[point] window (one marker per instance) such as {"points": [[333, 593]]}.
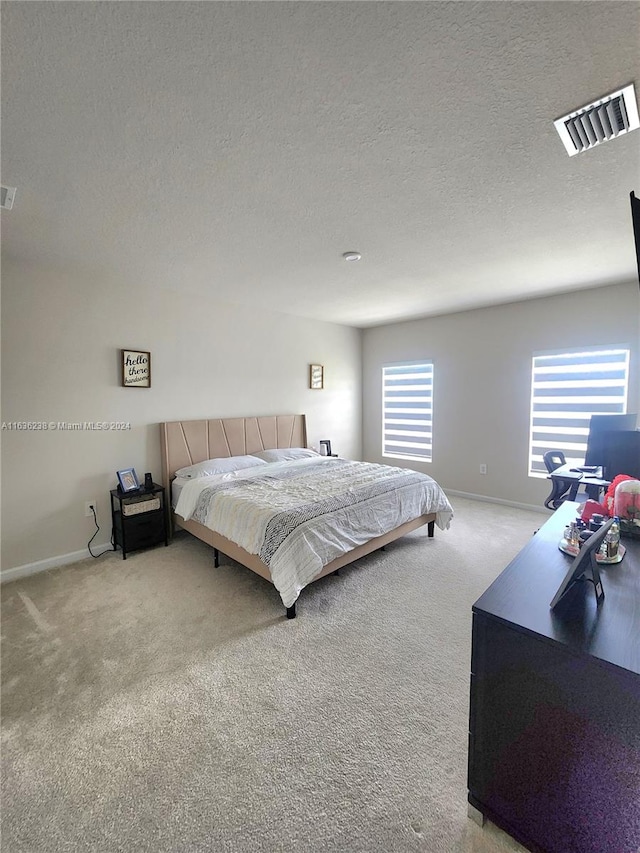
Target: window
{"points": [[407, 410], [566, 389]]}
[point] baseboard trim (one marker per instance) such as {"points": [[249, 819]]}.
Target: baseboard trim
{"points": [[486, 499], [51, 563]]}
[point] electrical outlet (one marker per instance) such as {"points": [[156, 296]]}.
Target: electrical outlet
{"points": [[87, 508], [483, 468]]}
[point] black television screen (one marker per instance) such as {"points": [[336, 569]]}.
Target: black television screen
{"points": [[635, 218], [583, 565], [600, 424]]}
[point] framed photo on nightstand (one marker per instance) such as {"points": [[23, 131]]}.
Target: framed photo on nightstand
{"points": [[127, 480]]}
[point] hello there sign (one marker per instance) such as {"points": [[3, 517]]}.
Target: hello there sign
{"points": [[136, 368]]}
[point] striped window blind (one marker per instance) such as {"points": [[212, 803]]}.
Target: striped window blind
{"points": [[407, 410], [566, 389]]}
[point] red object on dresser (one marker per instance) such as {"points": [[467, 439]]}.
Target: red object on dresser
{"points": [[611, 491]]}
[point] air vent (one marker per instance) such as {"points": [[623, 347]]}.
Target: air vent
{"points": [[605, 119], [7, 195]]}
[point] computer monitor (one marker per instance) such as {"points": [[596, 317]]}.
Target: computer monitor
{"points": [[621, 453], [598, 426]]}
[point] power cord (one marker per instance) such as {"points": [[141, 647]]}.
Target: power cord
{"points": [[95, 521]]}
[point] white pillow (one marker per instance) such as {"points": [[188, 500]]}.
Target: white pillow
{"points": [[218, 466], [284, 454]]}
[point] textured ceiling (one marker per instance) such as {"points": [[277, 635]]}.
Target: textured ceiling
{"points": [[238, 149]]}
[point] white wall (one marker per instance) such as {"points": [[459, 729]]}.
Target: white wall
{"points": [[62, 333], [482, 381], [61, 336]]}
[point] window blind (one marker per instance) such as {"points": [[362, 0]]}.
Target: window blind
{"points": [[566, 389], [407, 410]]}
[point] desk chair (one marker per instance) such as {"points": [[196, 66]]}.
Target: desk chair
{"points": [[563, 488], [565, 482], [554, 459]]}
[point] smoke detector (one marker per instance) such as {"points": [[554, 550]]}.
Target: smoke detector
{"points": [[7, 195], [604, 119]]}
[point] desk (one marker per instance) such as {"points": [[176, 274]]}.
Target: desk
{"points": [[554, 725], [565, 484]]}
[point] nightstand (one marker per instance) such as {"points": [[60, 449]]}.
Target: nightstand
{"points": [[139, 519]]}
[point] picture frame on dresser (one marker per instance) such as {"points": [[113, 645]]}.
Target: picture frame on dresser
{"points": [[584, 566]]}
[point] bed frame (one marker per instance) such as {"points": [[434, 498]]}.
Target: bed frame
{"points": [[188, 442]]}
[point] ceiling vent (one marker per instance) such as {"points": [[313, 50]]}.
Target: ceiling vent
{"points": [[7, 195], [605, 119]]}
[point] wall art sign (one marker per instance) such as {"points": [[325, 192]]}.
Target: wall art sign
{"points": [[316, 377], [136, 368]]}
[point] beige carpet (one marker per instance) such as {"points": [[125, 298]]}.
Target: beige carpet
{"points": [[159, 704]]}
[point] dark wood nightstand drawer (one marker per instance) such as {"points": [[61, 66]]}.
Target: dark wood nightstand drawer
{"points": [[143, 528], [144, 540], [145, 520]]}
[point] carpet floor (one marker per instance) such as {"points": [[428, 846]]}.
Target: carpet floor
{"points": [[160, 704]]}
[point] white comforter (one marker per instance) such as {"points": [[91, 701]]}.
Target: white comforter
{"points": [[297, 516]]}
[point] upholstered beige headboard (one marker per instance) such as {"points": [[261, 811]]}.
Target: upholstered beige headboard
{"points": [[187, 442]]}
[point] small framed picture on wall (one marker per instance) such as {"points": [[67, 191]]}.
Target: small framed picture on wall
{"points": [[316, 377], [136, 368]]}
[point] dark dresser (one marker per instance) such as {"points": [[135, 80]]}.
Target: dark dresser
{"points": [[554, 728]]}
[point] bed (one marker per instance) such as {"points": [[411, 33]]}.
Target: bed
{"points": [[316, 542]]}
